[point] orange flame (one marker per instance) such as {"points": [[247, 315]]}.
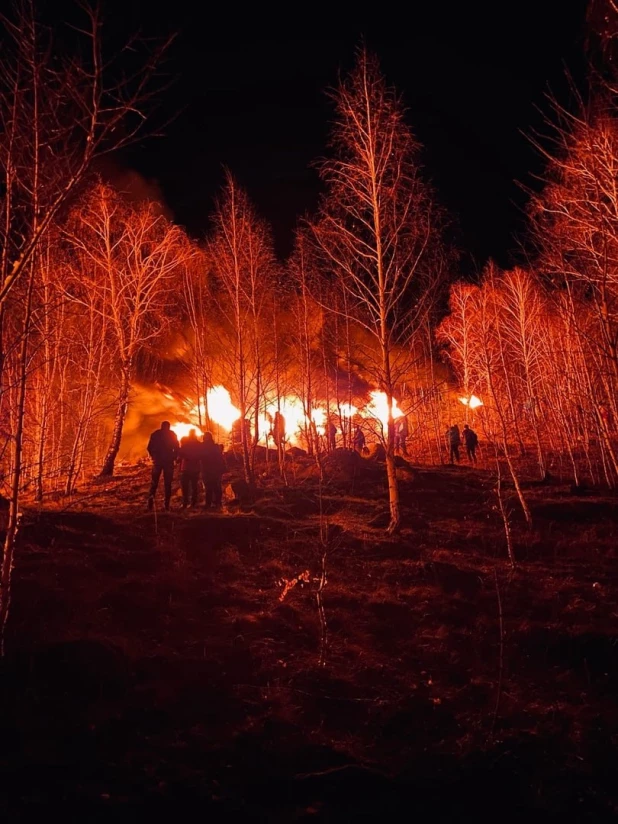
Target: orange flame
{"points": [[472, 401], [378, 408]]}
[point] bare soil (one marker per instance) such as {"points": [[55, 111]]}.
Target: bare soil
{"points": [[153, 669]]}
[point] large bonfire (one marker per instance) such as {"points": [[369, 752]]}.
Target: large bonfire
{"points": [[217, 407]]}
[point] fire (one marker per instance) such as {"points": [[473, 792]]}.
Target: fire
{"points": [[296, 421], [183, 429], [221, 410], [223, 413], [378, 408], [318, 416], [293, 415], [472, 401], [347, 410]]}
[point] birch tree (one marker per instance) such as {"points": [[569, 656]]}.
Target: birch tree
{"points": [[135, 260], [241, 250], [58, 112], [377, 225]]}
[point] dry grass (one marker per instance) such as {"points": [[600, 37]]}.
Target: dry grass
{"points": [[151, 661]]}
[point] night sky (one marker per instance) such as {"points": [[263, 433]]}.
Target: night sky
{"points": [[250, 93]]}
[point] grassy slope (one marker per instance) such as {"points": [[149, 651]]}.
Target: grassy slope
{"points": [[152, 666]]}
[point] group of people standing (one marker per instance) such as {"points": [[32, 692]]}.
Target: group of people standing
{"points": [[453, 441], [359, 441], [195, 457], [205, 458]]}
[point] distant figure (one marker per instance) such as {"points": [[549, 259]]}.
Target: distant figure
{"points": [[190, 454], [278, 430], [359, 440], [453, 439], [213, 467], [332, 436], [471, 441], [163, 449], [401, 435], [237, 428]]}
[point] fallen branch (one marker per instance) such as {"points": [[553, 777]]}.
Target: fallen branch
{"points": [[290, 583]]}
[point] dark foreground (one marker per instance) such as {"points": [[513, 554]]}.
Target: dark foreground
{"points": [[152, 672]]}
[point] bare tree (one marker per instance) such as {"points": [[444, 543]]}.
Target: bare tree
{"points": [[242, 254], [135, 259], [58, 112], [377, 225], [198, 303], [523, 326], [575, 223]]}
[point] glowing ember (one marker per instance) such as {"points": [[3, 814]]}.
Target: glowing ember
{"points": [[378, 408], [472, 401]]}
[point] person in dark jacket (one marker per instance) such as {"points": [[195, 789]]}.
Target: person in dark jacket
{"points": [[163, 449], [470, 439], [278, 429], [213, 467], [401, 435], [453, 440], [190, 455], [331, 432], [359, 440]]}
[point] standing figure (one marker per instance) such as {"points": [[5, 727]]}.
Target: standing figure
{"points": [[190, 454], [359, 440], [471, 441], [213, 467], [401, 435], [163, 449], [278, 429], [331, 432], [453, 440]]}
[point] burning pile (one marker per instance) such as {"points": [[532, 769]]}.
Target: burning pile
{"points": [[217, 407]]}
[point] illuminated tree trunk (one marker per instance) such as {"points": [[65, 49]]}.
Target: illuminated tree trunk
{"points": [[107, 469], [127, 261], [15, 515], [378, 228], [489, 366], [243, 258], [78, 116]]}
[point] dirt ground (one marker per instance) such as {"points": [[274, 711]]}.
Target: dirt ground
{"points": [[158, 664]]}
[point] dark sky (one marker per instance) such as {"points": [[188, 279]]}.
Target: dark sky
{"points": [[251, 95]]}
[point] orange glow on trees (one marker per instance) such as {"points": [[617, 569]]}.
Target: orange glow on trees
{"points": [[131, 259], [377, 227]]}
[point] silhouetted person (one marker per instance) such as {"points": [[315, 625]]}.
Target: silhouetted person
{"points": [[190, 454], [453, 440], [237, 433], [401, 435], [213, 467], [163, 449], [471, 441], [331, 431], [359, 440], [278, 430]]}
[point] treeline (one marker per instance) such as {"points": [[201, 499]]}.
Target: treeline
{"points": [[94, 284], [540, 345], [111, 282]]}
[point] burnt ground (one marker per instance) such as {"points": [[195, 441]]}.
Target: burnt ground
{"points": [[152, 669]]}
